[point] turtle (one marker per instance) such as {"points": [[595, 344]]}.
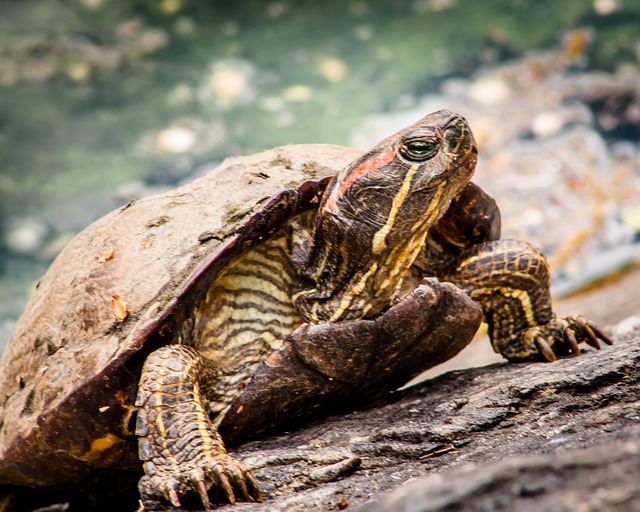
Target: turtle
{"points": [[276, 288]]}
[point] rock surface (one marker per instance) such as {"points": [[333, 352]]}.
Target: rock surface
{"points": [[561, 436], [601, 478]]}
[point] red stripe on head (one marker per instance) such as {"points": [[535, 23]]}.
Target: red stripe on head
{"points": [[370, 164]]}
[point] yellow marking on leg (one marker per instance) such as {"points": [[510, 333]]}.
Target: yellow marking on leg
{"points": [[478, 256], [202, 423], [470, 260], [521, 295], [494, 274], [170, 459], [525, 302], [379, 243], [162, 430], [159, 423]]}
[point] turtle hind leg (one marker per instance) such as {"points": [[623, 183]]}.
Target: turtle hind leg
{"points": [[182, 452]]}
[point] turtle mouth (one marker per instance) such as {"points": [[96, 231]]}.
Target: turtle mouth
{"points": [[466, 160]]}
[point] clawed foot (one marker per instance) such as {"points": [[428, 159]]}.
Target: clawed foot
{"points": [[561, 336], [220, 472]]}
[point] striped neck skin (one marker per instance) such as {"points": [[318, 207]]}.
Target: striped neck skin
{"points": [[375, 215]]}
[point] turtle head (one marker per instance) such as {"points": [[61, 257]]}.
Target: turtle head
{"points": [[404, 181], [375, 213]]}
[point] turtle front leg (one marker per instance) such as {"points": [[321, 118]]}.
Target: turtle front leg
{"points": [[323, 368], [510, 280], [182, 452]]}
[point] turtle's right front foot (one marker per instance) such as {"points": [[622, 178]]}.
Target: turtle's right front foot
{"points": [[558, 337], [182, 452]]}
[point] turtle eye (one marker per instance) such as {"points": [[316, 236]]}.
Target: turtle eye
{"points": [[419, 150]]}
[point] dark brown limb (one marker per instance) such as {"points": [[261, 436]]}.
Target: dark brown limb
{"points": [[472, 218], [325, 367], [510, 280]]}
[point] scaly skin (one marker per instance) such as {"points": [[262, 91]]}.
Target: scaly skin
{"points": [[180, 449], [510, 280]]}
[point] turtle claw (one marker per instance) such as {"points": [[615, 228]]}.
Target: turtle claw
{"points": [[254, 494], [172, 496], [223, 482], [243, 489], [204, 494], [591, 333], [235, 479], [568, 333], [544, 348], [599, 332], [153, 489], [572, 342], [591, 337]]}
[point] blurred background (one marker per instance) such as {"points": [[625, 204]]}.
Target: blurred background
{"points": [[104, 101]]}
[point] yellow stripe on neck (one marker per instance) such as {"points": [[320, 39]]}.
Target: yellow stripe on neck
{"points": [[346, 301], [379, 243]]}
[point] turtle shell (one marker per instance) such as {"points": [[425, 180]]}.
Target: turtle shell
{"points": [[68, 376]]}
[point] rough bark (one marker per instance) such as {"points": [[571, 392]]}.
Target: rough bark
{"points": [[559, 436]]}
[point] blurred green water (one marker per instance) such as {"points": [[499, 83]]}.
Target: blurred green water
{"points": [[95, 94]]}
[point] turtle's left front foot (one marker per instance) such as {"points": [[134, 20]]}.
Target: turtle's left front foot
{"points": [[217, 471], [558, 337], [182, 452]]}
